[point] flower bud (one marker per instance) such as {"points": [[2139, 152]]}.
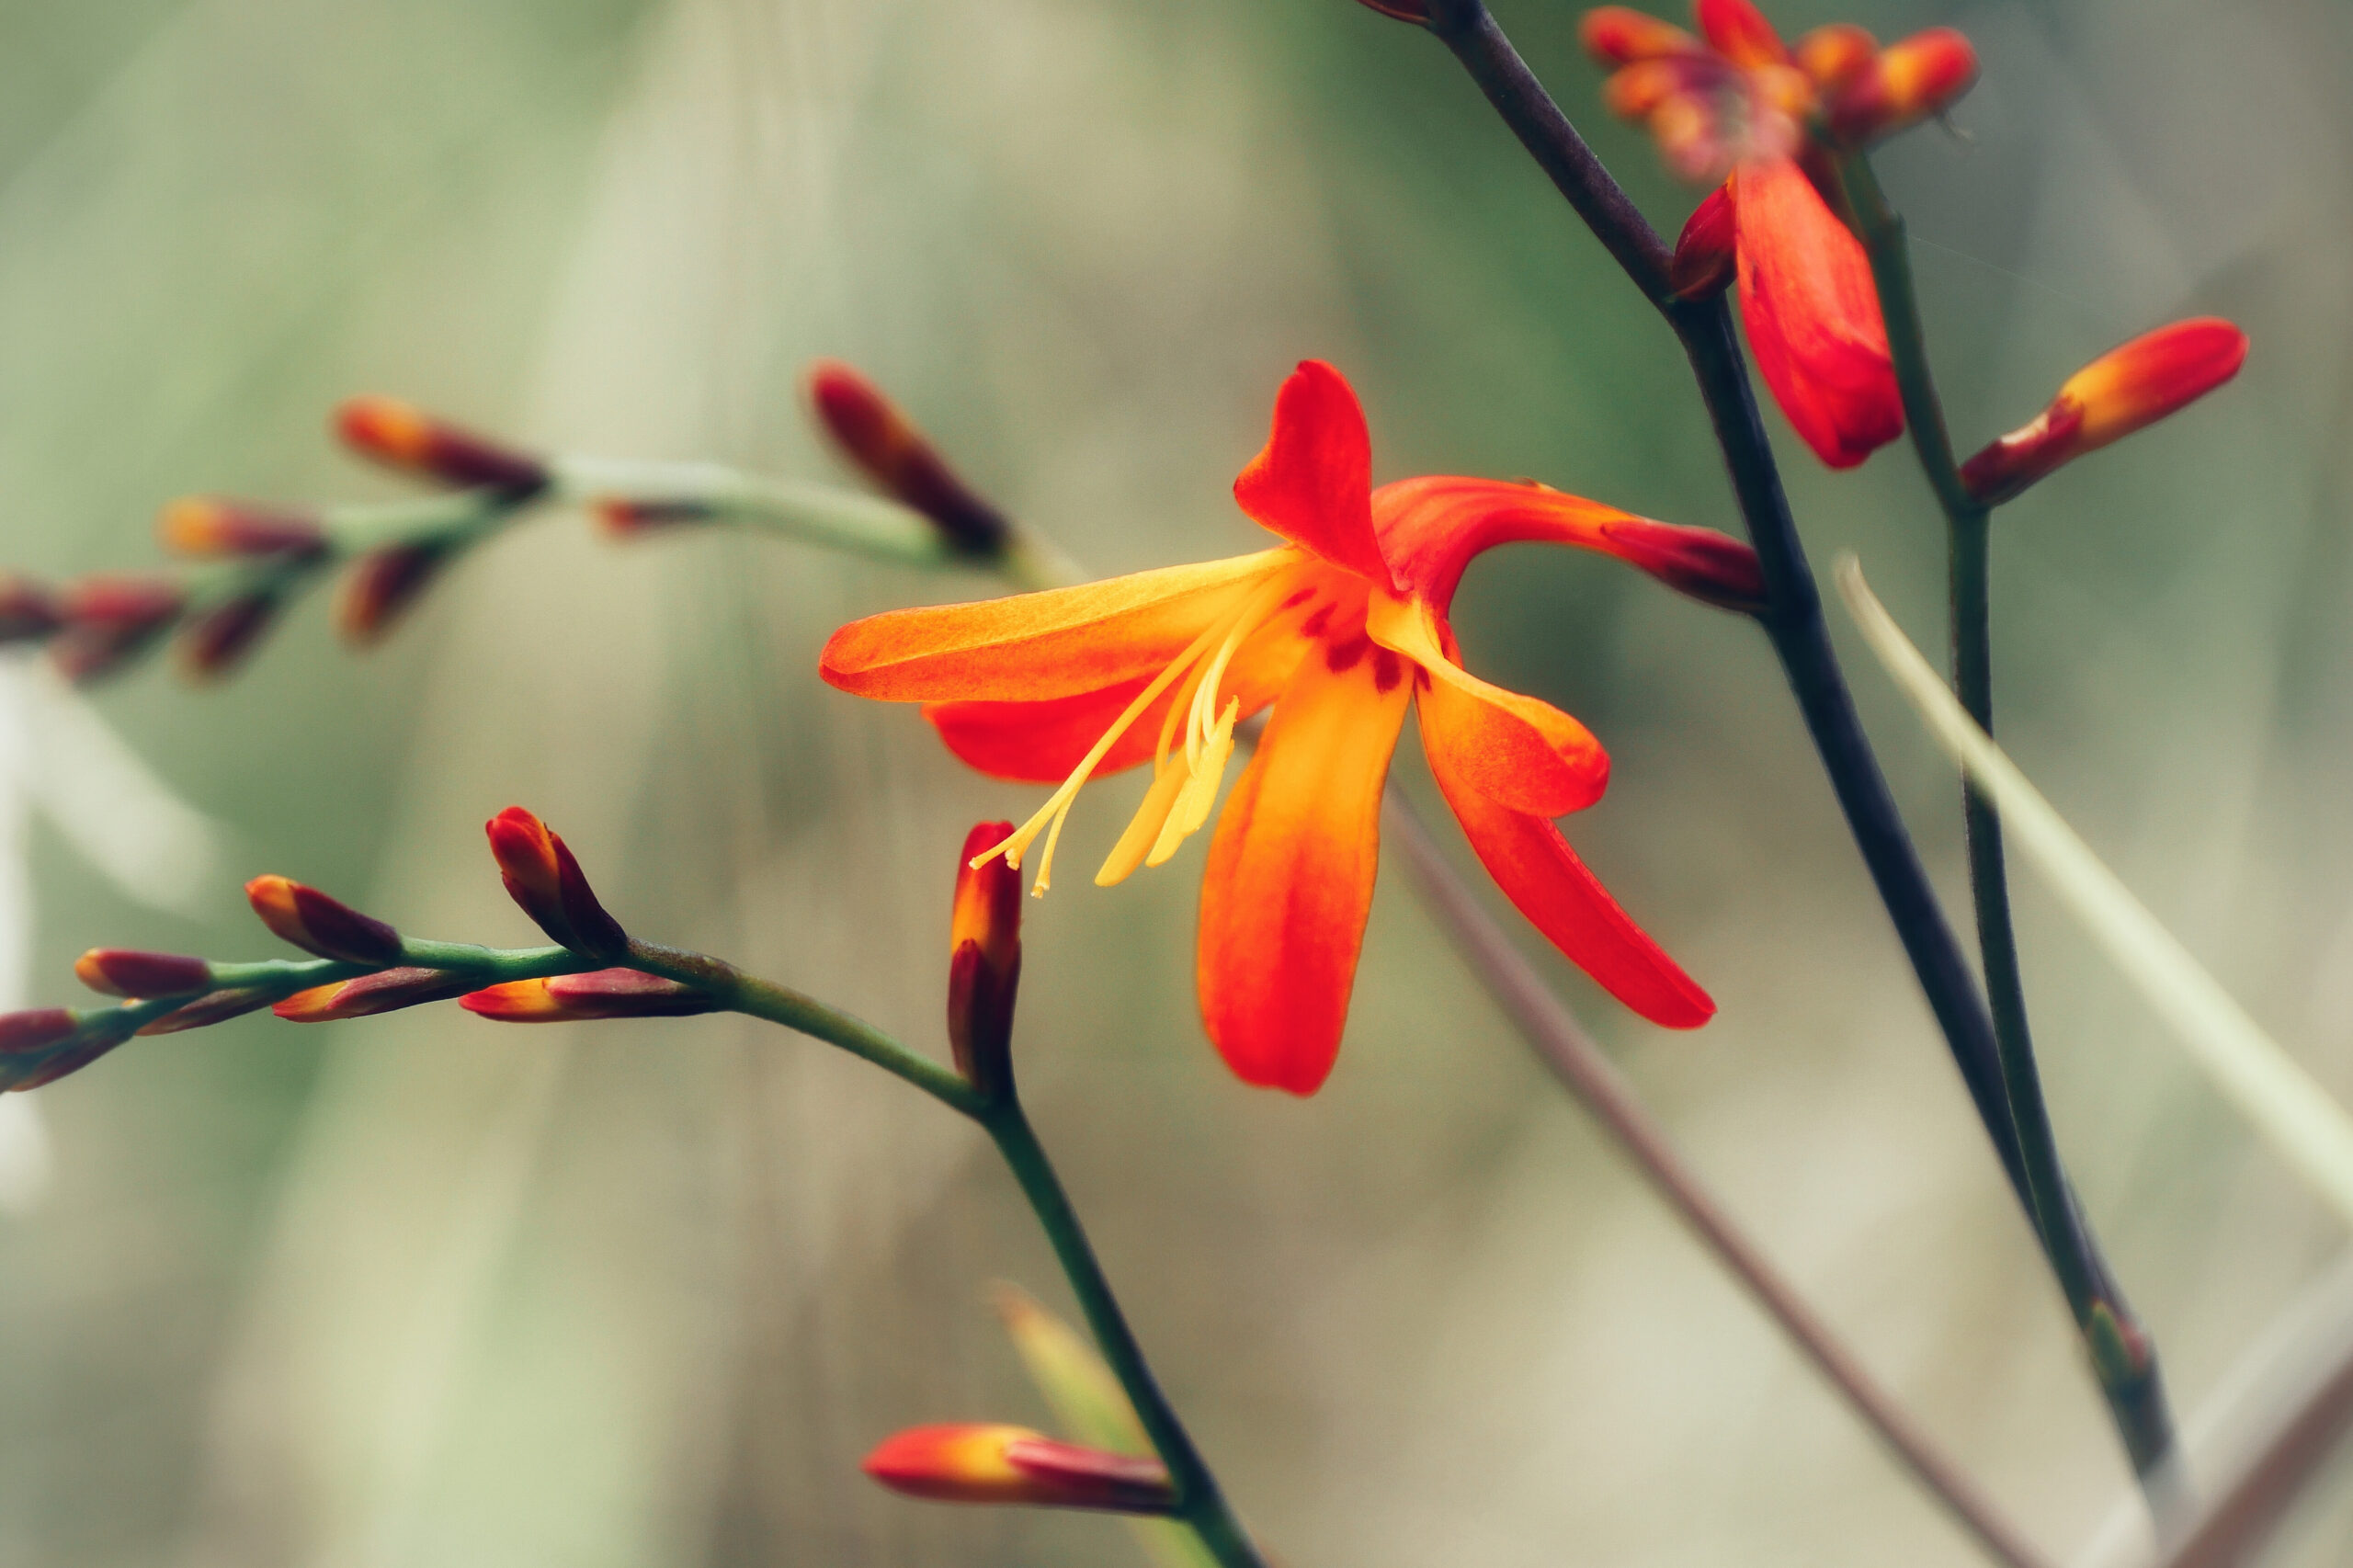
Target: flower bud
{"points": [[984, 962], [624, 518], [27, 611], [1738, 31], [108, 620], [217, 639], [600, 994], [317, 923], [127, 972], [976, 1463], [1835, 55], [381, 585], [20, 1075], [1705, 261], [211, 1008], [385, 991], [1909, 81], [542, 877], [1620, 35], [38, 1028], [885, 446], [404, 437], [209, 526], [2120, 392], [1711, 567]]}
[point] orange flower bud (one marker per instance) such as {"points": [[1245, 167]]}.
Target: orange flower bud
{"points": [[214, 1009], [542, 877], [885, 446], [110, 621], [317, 923], [216, 641], [1620, 35], [38, 1028], [1711, 567], [27, 612], [984, 962], [1910, 80], [622, 517], [975, 1463], [383, 584], [127, 972], [404, 437], [600, 994], [1834, 56], [1705, 258], [206, 525], [385, 991], [2123, 391], [1738, 31]]}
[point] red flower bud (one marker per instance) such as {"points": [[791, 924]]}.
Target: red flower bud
{"points": [[126, 972], [1834, 56], [623, 518], [317, 923], [541, 876], [110, 621], [18, 1075], [1738, 31], [984, 962], [27, 611], [2123, 391], [1705, 260], [1912, 80], [383, 584], [206, 525], [974, 1463], [1711, 567], [404, 437], [385, 991], [216, 641], [885, 446], [1619, 35], [600, 994], [38, 1028], [212, 1009]]}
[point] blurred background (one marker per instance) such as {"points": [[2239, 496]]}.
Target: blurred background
{"points": [[418, 1291]]}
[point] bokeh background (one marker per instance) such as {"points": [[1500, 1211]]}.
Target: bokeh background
{"points": [[420, 1291]]}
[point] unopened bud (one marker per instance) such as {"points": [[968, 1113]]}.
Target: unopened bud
{"points": [[976, 1463], [127, 972], [984, 962], [110, 621], [885, 446], [599, 993], [1620, 35], [217, 639], [1834, 56], [207, 525], [2123, 391], [401, 435], [624, 518], [212, 1009], [21, 1073], [317, 923], [385, 991], [1914, 79], [37, 1029], [542, 877], [1705, 261], [1738, 31], [27, 611], [381, 585], [1711, 567]]}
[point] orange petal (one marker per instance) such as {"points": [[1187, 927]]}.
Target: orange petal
{"points": [[1057, 643], [1431, 527], [1291, 873], [1516, 750], [1812, 314], [1312, 483], [1617, 35], [1546, 881], [1738, 31]]}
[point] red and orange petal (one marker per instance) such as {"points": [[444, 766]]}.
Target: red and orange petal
{"points": [[1834, 56], [309, 919], [1061, 643], [1911, 80], [1545, 881], [1812, 314], [128, 971], [974, 1462], [1291, 869], [596, 994], [986, 910], [1738, 31], [401, 435], [1312, 482], [888, 448], [1620, 35], [384, 992], [1431, 527]]}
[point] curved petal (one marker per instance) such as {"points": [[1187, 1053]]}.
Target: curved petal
{"points": [[1430, 528], [1517, 751], [1738, 31], [1042, 741], [1291, 873], [1031, 646], [1546, 881], [1812, 314], [1312, 483]]}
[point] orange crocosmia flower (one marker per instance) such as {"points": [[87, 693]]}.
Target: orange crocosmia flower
{"points": [[1340, 629]]}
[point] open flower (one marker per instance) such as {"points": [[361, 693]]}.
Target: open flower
{"points": [[1737, 105], [1340, 629]]}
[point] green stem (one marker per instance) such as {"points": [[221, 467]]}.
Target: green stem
{"points": [[2119, 1350]]}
